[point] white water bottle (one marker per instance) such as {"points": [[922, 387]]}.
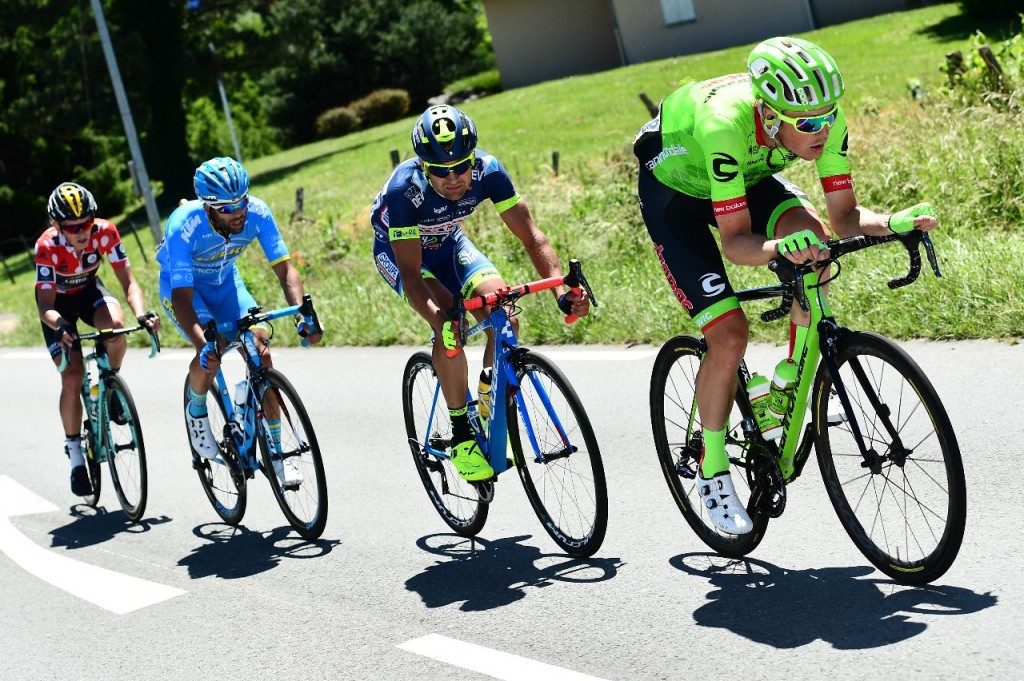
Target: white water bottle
{"points": [[240, 395]]}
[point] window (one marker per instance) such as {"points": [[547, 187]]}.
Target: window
{"points": [[677, 11]]}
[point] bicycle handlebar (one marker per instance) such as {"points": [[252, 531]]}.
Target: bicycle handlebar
{"points": [[575, 280], [255, 316], [103, 334], [790, 274]]}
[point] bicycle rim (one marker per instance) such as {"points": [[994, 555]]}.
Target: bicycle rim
{"points": [[222, 478], [456, 501], [303, 504], [678, 438], [566, 483], [907, 515], [126, 451]]}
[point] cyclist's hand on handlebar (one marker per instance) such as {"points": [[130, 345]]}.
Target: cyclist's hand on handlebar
{"points": [[451, 337], [802, 247], [920, 216], [574, 304], [307, 329], [209, 360], [150, 320]]}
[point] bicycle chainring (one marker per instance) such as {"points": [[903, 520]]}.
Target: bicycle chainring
{"points": [[767, 486]]}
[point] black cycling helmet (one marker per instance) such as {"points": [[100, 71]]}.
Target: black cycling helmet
{"points": [[443, 134], [71, 201]]}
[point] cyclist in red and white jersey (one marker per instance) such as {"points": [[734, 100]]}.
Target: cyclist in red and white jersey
{"points": [[67, 288]]}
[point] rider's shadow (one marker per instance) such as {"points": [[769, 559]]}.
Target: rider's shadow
{"points": [[236, 552], [484, 574], [93, 526], [792, 608]]}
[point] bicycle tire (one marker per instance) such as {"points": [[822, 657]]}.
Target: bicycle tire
{"points": [[567, 489], [126, 450], [94, 469], [678, 438], [457, 502], [223, 481], [305, 506], [901, 540]]}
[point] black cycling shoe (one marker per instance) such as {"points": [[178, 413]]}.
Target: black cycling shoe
{"points": [[80, 485]]}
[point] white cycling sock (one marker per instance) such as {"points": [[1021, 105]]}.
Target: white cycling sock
{"points": [[73, 447]]}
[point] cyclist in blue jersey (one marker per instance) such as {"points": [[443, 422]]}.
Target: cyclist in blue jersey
{"points": [[199, 281], [712, 157], [422, 252]]}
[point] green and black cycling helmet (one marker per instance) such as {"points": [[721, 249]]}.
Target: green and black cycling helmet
{"points": [[443, 135], [791, 74], [71, 201]]}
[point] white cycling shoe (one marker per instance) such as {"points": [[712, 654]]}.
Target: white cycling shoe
{"points": [[288, 472], [200, 435], [723, 506]]}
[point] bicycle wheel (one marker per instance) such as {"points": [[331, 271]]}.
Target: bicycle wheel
{"points": [[679, 439], [457, 501], [304, 503], [222, 479], [564, 475], [907, 512], [126, 452]]}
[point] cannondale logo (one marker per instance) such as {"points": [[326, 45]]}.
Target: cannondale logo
{"points": [[724, 167], [711, 285]]}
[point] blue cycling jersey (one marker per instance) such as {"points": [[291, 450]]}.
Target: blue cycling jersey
{"points": [[407, 200], [193, 255]]}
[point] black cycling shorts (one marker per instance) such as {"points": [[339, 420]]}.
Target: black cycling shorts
{"points": [[74, 306]]}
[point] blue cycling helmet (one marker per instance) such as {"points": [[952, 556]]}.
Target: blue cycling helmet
{"points": [[443, 134], [221, 180]]}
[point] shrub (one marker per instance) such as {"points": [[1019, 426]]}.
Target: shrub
{"points": [[483, 83], [990, 8], [380, 106], [337, 122], [972, 80]]}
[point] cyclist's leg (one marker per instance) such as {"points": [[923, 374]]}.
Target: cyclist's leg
{"points": [[476, 275], [679, 227], [779, 208], [105, 313]]}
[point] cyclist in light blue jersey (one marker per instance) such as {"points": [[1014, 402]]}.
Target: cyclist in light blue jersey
{"points": [[422, 253], [199, 279]]}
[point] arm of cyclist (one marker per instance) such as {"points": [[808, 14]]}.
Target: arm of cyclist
{"points": [[848, 218], [46, 300], [520, 222], [291, 286], [409, 257], [133, 294], [742, 247], [185, 313]]}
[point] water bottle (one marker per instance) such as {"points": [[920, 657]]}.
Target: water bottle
{"points": [[483, 392], [759, 390], [783, 388], [240, 394]]}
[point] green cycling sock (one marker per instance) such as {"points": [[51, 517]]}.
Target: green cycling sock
{"points": [[715, 460]]}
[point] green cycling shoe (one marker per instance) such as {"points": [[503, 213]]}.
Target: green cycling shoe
{"points": [[470, 462]]}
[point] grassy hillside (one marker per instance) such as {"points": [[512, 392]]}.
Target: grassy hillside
{"points": [[902, 150]]}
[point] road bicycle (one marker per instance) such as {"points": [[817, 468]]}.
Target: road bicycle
{"points": [[239, 427], [886, 449], [111, 431], [535, 410]]}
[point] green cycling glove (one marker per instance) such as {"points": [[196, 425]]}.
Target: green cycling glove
{"points": [[902, 221], [799, 240]]}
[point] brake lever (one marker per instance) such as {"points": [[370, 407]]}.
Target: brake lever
{"points": [[929, 249]]}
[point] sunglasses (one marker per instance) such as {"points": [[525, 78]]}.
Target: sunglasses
{"points": [[812, 124], [229, 208], [77, 227], [458, 167]]}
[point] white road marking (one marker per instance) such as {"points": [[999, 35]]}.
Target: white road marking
{"points": [[487, 661], [108, 589]]}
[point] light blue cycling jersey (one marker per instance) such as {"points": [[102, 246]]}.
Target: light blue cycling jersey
{"points": [[192, 255]]}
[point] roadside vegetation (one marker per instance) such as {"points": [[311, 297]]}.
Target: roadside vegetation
{"points": [[914, 137]]}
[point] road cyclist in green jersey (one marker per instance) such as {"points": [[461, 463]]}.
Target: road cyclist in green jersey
{"points": [[421, 251], [713, 157]]}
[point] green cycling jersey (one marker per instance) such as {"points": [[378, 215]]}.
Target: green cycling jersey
{"points": [[713, 145]]}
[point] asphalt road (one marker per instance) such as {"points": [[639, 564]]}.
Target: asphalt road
{"points": [[390, 593]]}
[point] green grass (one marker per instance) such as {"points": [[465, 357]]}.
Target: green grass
{"points": [[902, 151]]}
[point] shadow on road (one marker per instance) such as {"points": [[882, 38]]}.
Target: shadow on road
{"points": [[486, 574], [235, 552], [93, 526], [792, 608]]}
